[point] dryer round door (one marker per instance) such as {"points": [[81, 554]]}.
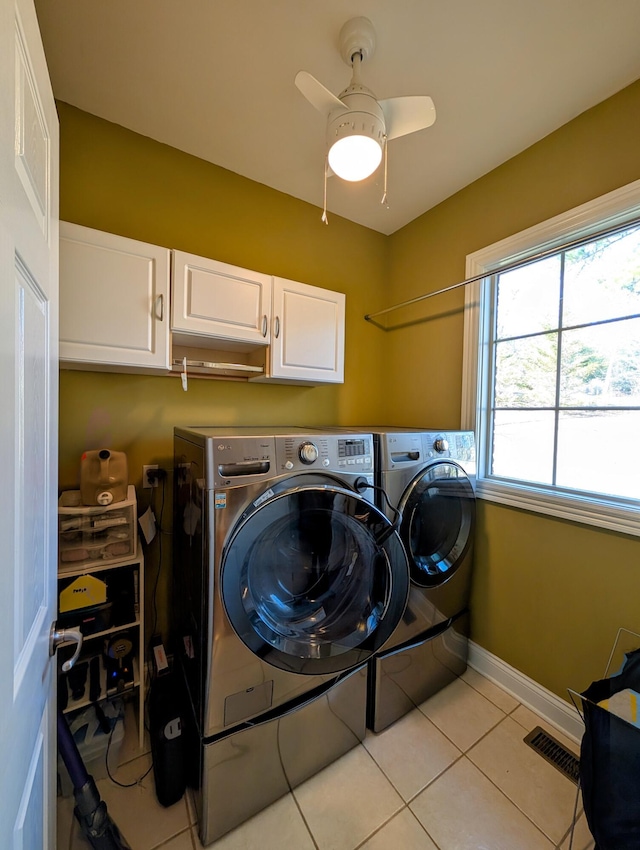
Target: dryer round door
{"points": [[314, 579], [438, 522]]}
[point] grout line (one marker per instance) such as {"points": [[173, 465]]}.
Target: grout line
{"points": [[471, 746], [186, 806], [384, 774], [381, 827], [431, 781], [512, 802], [304, 820], [475, 743], [498, 687], [166, 841], [435, 778]]}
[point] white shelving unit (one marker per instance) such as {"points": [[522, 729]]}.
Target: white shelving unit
{"points": [[93, 644]]}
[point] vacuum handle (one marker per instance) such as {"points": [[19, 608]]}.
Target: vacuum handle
{"points": [[58, 637]]}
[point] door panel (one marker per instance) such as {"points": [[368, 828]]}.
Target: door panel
{"points": [[113, 300], [28, 449], [308, 337], [218, 301]]}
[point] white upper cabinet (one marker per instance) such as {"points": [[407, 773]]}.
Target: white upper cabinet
{"points": [[307, 336], [116, 314], [218, 302], [114, 301]]}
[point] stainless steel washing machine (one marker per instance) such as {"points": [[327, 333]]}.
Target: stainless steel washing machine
{"points": [[429, 476], [286, 582]]}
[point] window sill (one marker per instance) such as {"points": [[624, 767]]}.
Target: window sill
{"points": [[602, 513]]}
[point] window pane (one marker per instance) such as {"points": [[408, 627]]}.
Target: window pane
{"points": [[523, 445], [527, 299], [601, 366], [582, 465], [526, 372], [602, 279]]}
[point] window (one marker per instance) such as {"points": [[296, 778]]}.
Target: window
{"points": [[552, 365]]}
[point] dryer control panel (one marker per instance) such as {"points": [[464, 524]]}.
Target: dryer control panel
{"points": [[456, 445]]}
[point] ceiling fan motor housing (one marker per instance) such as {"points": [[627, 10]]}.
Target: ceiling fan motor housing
{"points": [[364, 117]]}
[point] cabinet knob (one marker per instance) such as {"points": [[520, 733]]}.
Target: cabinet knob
{"points": [[160, 300], [277, 327], [264, 325], [60, 636]]}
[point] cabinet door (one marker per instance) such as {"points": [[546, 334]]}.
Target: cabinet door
{"points": [[218, 301], [113, 300], [307, 342]]}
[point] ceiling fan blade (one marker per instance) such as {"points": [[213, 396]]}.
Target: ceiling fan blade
{"points": [[404, 115], [317, 95]]}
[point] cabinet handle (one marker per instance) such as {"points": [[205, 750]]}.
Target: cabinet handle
{"points": [[160, 299], [276, 330], [264, 325]]}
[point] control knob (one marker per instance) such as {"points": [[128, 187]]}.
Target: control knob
{"points": [[441, 445], [308, 453]]}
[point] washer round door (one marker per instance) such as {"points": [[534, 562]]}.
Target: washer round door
{"points": [[438, 522], [314, 579]]}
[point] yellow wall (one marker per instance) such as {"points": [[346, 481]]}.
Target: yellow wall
{"points": [[549, 595]]}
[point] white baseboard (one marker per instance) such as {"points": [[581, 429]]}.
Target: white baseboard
{"points": [[556, 711]]}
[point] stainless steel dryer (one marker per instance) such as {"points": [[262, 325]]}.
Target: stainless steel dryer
{"points": [[429, 476], [286, 582]]}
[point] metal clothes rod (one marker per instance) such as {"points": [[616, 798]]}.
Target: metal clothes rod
{"points": [[540, 255]]}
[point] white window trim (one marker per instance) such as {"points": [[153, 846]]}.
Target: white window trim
{"points": [[608, 211]]}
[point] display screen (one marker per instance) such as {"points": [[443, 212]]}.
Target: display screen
{"points": [[351, 448]]}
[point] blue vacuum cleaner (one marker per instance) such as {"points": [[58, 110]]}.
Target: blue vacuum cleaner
{"points": [[90, 811]]}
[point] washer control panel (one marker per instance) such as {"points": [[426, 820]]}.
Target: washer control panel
{"points": [[325, 452]]}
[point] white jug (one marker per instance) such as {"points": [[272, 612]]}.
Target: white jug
{"points": [[103, 477]]}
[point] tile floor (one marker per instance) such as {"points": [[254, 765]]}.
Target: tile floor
{"points": [[454, 774]]}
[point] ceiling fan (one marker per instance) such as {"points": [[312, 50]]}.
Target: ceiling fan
{"points": [[358, 125]]}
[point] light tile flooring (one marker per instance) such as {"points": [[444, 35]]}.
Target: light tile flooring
{"points": [[454, 774]]}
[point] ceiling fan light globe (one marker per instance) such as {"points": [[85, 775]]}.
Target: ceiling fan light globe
{"points": [[354, 158]]}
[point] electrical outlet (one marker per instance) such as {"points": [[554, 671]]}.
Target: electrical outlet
{"points": [[146, 480]]}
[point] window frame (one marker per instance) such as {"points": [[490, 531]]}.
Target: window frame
{"points": [[607, 212]]}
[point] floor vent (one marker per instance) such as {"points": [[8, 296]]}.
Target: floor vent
{"points": [[554, 753]]}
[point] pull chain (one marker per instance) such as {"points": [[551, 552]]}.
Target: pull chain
{"points": [[324, 208], [384, 194]]}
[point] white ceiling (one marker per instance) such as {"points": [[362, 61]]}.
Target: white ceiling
{"points": [[215, 78]]}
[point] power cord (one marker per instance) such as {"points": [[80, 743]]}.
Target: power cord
{"points": [[120, 716], [160, 533], [362, 484]]}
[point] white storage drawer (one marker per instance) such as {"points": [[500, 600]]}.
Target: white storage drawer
{"points": [[100, 534]]}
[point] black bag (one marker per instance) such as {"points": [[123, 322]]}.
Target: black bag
{"points": [[610, 763]]}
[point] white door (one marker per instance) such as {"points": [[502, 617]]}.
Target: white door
{"points": [[28, 444]]}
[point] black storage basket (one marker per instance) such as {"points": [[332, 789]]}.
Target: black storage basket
{"points": [[610, 763]]}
